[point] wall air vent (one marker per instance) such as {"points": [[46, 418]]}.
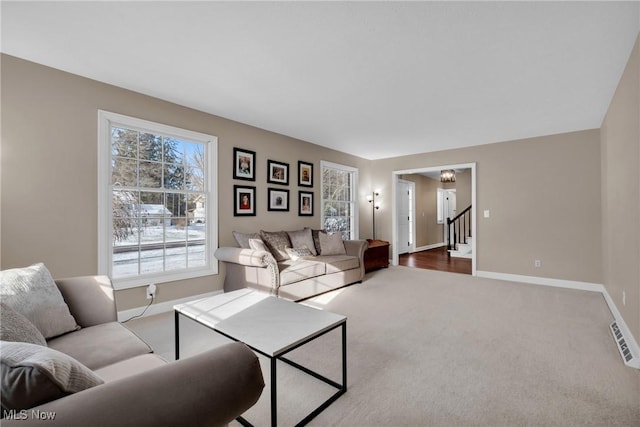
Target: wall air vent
{"points": [[628, 357]]}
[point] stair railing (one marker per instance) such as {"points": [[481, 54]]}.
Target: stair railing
{"points": [[459, 228]]}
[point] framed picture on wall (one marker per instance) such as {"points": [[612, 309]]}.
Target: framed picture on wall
{"points": [[245, 201], [305, 174], [277, 172], [278, 200], [305, 203], [244, 164]]}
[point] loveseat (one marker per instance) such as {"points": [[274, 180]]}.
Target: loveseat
{"points": [[98, 372], [294, 265]]}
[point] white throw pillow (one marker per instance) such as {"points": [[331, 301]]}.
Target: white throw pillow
{"points": [[32, 292]]}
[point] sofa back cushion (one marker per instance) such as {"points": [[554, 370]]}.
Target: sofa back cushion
{"points": [[331, 244], [32, 375], [277, 242], [17, 328], [32, 292], [243, 238], [302, 239]]}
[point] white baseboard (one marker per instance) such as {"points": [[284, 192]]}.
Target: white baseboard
{"points": [[161, 307], [433, 246], [584, 286]]}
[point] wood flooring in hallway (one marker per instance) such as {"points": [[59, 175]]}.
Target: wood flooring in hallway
{"points": [[436, 259]]}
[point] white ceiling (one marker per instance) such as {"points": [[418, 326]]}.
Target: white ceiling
{"points": [[374, 79]]}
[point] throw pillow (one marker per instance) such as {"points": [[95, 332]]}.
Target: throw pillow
{"points": [[297, 253], [332, 244], [32, 375], [316, 240], [243, 238], [277, 242], [302, 238], [15, 327], [32, 292], [257, 245]]}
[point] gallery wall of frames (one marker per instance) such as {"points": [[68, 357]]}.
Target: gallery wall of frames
{"points": [[277, 177]]}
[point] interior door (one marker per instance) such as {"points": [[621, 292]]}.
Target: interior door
{"points": [[449, 210], [404, 204]]}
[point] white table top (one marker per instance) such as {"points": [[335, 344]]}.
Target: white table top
{"points": [[268, 324]]}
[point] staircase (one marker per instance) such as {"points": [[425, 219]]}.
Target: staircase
{"points": [[464, 250], [460, 242]]}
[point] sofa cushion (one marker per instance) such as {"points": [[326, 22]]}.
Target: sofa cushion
{"points": [[17, 328], [297, 253], [32, 292], [277, 242], [33, 374], [129, 367], [101, 345], [302, 239], [295, 271], [258, 245], [337, 263], [331, 244], [315, 234], [243, 238]]}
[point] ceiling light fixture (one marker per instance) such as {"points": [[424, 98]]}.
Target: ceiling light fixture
{"points": [[448, 175]]}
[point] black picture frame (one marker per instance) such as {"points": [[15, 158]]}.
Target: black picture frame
{"points": [[244, 162], [244, 206], [305, 174], [278, 200], [277, 172], [305, 203]]}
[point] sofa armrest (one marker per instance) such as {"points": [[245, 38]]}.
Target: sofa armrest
{"points": [[209, 389], [248, 257], [357, 248], [90, 299]]}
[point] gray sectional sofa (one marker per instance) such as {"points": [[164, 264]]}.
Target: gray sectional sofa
{"points": [[294, 265], [98, 372]]}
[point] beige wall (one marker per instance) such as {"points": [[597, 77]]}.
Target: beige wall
{"points": [[544, 198], [463, 189], [49, 178], [620, 135]]}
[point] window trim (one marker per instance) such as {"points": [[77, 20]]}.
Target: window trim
{"points": [[355, 231], [106, 119]]}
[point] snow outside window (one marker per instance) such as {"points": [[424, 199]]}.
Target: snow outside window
{"points": [[339, 188], [157, 200]]}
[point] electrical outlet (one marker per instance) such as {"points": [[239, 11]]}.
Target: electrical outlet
{"points": [[537, 263], [624, 298], [151, 291]]}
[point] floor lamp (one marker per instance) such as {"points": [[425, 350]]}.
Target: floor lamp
{"points": [[374, 206]]}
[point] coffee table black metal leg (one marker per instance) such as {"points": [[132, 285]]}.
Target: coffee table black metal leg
{"points": [[344, 357], [274, 394], [177, 333]]}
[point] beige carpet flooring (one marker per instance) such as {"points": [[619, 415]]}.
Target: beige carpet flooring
{"points": [[427, 348]]}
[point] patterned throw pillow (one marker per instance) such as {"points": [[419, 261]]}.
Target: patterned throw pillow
{"points": [[297, 253], [17, 328], [277, 242], [32, 375], [32, 292]]}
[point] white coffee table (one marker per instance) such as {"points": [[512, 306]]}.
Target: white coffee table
{"points": [[270, 326]]}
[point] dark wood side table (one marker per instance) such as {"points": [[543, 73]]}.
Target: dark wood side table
{"points": [[377, 255]]}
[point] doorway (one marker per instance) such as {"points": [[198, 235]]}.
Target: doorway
{"points": [[433, 256], [405, 213]]}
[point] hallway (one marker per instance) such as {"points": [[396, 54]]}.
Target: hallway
{"points": [[436, 259]]}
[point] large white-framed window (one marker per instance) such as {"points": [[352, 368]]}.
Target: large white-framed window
{"points": [[339, 189], [157, 201]]}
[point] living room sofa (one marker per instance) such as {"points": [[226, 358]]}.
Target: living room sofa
{"points": [[128, 385], [294, 265]]}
